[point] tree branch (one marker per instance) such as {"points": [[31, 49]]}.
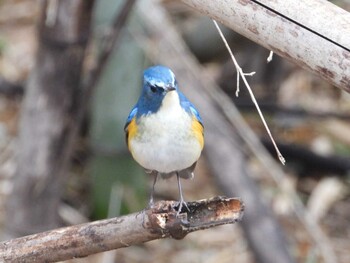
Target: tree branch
{"points": [[109, 45], [320, 44], [155, 223]]}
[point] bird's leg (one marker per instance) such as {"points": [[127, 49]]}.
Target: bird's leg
{"points": [[151, 200], [182, 201]]}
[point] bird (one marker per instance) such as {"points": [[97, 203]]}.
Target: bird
{"points": [[164, 131]]}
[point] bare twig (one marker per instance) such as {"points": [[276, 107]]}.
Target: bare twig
{"points": [[241, 74], [270, 57], [86, 239]]}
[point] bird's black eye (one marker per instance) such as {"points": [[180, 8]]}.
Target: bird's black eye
{"points": [[153, 89]]}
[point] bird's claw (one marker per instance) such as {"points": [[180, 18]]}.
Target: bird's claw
{"points": [[182, 204]]}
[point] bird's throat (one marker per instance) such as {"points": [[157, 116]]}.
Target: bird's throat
{"points": [[170, 101]]}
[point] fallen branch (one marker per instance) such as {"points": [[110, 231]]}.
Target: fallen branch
{"points": [[90, 238]]}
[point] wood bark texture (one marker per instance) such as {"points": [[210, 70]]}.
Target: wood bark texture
{"points": [[313, 34], [160, 221]]}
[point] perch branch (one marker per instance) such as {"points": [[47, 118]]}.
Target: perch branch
{"points": [[158, 222], [285, 27]]}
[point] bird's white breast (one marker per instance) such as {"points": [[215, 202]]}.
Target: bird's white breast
{"points": [[165, 141]]}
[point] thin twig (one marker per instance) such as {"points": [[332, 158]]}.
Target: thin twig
{"points": [[270, 57], [160, 221], [238, 68], [242, 74]]}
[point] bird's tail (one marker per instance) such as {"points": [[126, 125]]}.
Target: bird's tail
{"points": [[185, 173]]}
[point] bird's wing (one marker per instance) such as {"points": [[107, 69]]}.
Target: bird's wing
{"points": [[130, 127], [196, 114], [189, 107], [197, 124], [198, 129]]}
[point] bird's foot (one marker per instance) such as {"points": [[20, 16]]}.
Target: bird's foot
{"points": [[150, 203], [182, 204]]}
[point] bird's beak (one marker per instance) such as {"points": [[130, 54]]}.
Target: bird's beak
{"points": [[170, 88]]}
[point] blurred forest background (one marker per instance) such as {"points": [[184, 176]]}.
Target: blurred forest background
{"points": [[309, 118]]}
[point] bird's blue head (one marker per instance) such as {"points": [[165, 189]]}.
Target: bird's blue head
{"points": [[157, 82]]}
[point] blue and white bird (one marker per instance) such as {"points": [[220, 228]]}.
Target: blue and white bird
{"points": [[164, 131]]}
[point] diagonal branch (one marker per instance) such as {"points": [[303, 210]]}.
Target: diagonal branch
{"points": [[241, 74], [320, 44], [94, 237], [109, 45]]}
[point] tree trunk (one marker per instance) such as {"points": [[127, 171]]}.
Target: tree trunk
{"points": [[49, 117]]}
